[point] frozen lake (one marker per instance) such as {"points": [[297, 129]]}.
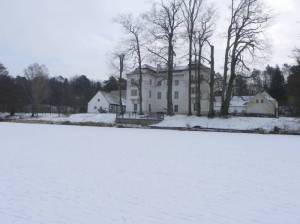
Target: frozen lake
{"points": [[78, 175]]}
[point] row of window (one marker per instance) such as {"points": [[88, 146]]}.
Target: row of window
{"points": [[135, 108], [261, 101], [159, 83], [134, 92]]}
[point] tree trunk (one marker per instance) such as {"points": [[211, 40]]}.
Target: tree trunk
{"points": [[211, 112], [170, 78], [190, 76], [121, 57], [224, 83], [198, 89], [140, 89]]}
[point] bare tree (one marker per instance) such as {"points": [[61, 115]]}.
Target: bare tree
{"points": [[37, 75], [121, 69], [190, 9], [204, 29], [134, 28], [244, 37], [165, 20]]}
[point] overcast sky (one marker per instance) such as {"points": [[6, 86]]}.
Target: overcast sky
{"points": [[73, 37]]}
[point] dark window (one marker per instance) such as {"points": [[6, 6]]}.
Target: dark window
{"points": [[176, 95], [150, 81], [193, 90], [149, 107], [159, 83], [159, 95], [175, 108], [134, 92], [135, 107], [176, 82], [98, 100], [262, 101], [150, 94], [257, 101]]}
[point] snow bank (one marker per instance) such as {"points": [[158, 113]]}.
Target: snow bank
{"points": [[77, 118], [74, 175], [237, 123]]}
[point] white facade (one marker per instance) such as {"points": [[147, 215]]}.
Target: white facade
{"points": [[263, 104], [105, 102], [154, 90], [260, 104]]}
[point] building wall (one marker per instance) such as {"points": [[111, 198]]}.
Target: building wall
{"points": [[259, 104], [96, 102], [180, 85]]}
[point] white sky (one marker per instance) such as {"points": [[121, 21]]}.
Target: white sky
{"points": [[76, 37]]}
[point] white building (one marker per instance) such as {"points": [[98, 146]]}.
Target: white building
{"points": [[106, 102], [154, 90], [259, 104], [263, 104]]}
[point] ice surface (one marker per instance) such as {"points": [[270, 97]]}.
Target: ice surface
{"points": [[51, 174]]}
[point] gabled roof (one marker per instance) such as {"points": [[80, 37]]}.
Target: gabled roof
{"points": [[236, 101], [113, 97]]}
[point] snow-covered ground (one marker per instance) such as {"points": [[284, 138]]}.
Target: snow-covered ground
{"points": [[238, 123], [72, 174], [77, 118]]}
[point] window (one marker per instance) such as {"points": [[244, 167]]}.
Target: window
{"points": [[98, 100], [176, 95], [195, 108], [257, 101], [135, 107], [150, 94], [132, 81], [176, 82], [159, 83], [175, 108], [262, 101], [193, 90], [149, 108], [134, 92], [150, 82], [159, 95], [95, 108]]}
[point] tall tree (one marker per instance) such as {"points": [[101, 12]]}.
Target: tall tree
{"points": [[277, 86], [244, 37], [165, 20], [191, 9], [293, 89], [134, 28], [203, 32], [37, 75]]}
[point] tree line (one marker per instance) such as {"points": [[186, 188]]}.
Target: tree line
{"points": [[36, 91]]}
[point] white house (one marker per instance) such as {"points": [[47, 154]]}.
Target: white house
{"points": [[106, 102], [259, 104], [154, 90], [262, 104]]}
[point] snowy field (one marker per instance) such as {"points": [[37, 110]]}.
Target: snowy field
{"points": [[53, 174], [179, 121], [237, 123]]}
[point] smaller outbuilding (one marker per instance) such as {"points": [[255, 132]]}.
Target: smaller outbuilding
{"points": [[261, 104], [107, 102]]}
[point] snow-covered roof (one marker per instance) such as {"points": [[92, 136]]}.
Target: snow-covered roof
{"points": [[236, 101], [113, 97], [163, 69]]}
